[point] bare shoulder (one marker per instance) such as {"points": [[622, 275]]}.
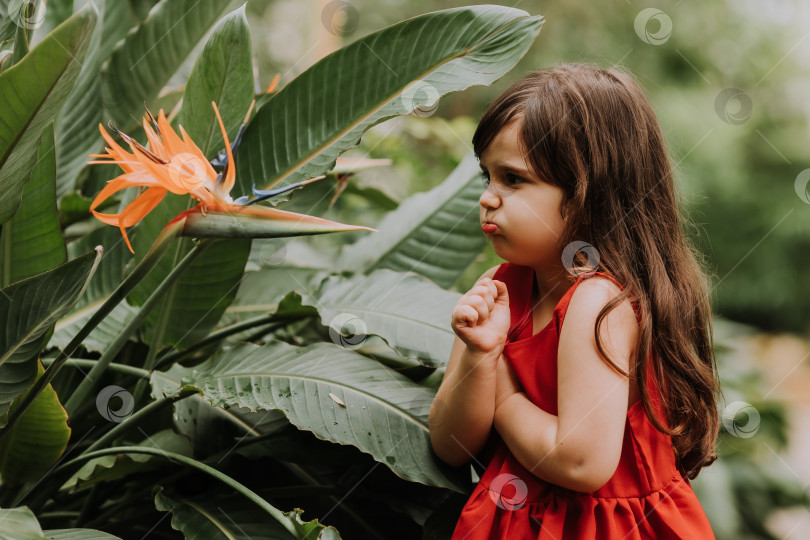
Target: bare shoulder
{"points": [[620, 326]]}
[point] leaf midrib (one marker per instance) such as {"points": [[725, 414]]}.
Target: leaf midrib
{"points": [[198, 383], [35, 113], [340, 134]]}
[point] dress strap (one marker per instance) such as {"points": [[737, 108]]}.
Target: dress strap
{"points": [[524, 321]]}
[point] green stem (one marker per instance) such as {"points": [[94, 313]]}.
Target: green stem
{"points": [[87, 384], [157, 334], [85, 363], [54, 477], [5, 236], [58, 514], [141, 270], [133, 419], [189, 462], [172, 357]]}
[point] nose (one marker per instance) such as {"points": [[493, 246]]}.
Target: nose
{"points": [[489, 199]]}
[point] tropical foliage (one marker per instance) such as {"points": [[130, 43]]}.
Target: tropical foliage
{"points": [[208, 365]]}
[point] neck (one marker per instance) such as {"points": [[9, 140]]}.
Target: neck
{"points": [[550, 287]]}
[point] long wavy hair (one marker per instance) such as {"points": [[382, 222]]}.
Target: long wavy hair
{"points": [[592, 132]]}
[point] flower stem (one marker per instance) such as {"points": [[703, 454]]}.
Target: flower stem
{"points": [[86, 386], [221, 334], [85, 363], [189, 462], [141, 270]]}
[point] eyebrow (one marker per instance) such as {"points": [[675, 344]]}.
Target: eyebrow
{"points": [[505, 166]]}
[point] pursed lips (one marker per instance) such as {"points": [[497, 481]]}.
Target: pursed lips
{"points": [[489, 228]]}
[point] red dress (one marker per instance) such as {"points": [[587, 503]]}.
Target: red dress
{"points": [[646, 498]]}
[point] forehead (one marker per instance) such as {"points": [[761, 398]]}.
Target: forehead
{"points": [[506, 148]]}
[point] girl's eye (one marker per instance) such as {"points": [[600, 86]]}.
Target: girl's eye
{"points": [[512, 179]]}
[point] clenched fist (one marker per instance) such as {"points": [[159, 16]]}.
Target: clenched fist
{"points": [[481, 317]]}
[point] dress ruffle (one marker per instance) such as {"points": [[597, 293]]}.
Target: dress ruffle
{"points": [[665, 514]]}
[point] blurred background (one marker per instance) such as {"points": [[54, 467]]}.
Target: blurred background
{"points": [[730, 83]]}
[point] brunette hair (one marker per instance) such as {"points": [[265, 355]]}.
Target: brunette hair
{"points": [[592, 132]]}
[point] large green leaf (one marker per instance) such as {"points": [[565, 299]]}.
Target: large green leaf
{"points": [[409, 312], [337, 394], [37, 440], [78, 534], [77, 122], [32, 240], [32, 91], [262, 291], [113, 468], [436, 234], [300, 131], [29, 309], [212, 429], [141, 65], [108, 276], [119, 18], [223, 73], [207, 517], [76, 125], [21, 524]]}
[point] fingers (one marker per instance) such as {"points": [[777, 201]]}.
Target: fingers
{"points": [[467, 314], [502, 295], [478, 303], [482, 297]]}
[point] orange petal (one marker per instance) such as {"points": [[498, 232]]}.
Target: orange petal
{"points": [[192, 148], [230, 176], [115, 151], [134, 212], [113, 186], [155, 144], [273, 84], [174, 145], [142, 205]]}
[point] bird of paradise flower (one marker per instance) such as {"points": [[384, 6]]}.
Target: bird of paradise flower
{"points": [[176, 164]]}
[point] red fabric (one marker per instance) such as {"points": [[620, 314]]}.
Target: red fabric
{"points": [[646, 498]]}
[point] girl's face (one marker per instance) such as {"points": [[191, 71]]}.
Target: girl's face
{"points": [[520, 213]]}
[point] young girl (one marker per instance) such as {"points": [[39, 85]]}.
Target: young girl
{"points": [[590, 351]]}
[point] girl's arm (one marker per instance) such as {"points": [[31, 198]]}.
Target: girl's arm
{"points": [[580, 448], [462, 412]]}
